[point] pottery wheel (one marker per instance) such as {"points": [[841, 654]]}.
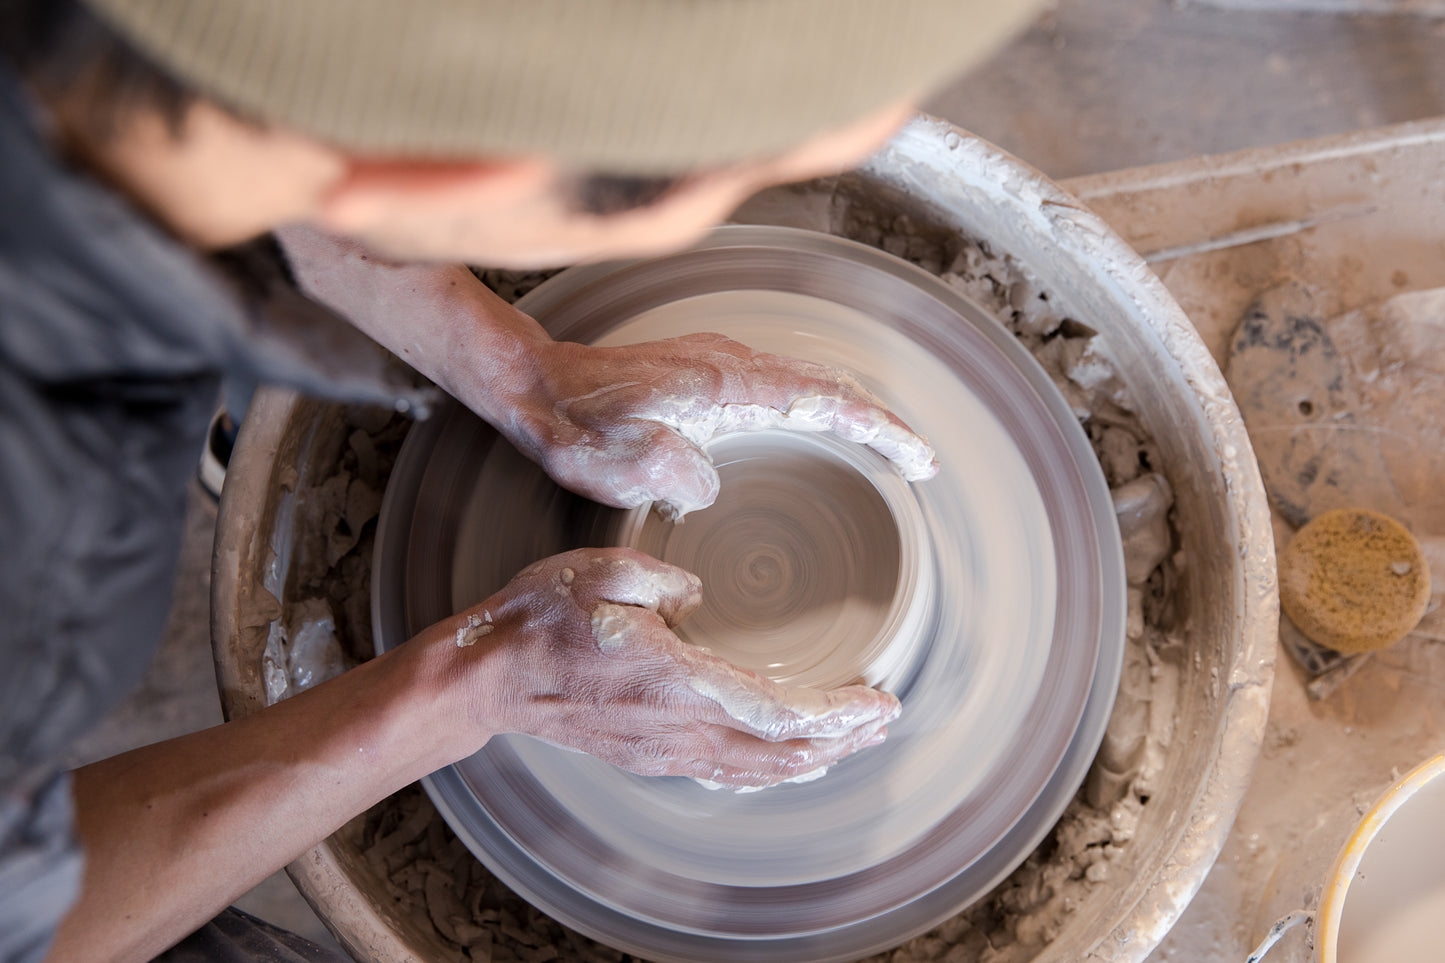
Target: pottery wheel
{"points": [[990, 599]]}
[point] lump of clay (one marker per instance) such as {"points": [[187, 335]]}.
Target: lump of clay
{"points": [[1142, 507]]}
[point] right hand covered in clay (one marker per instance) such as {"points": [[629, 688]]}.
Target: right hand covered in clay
{"points": [[627, 425], [578, 650]]}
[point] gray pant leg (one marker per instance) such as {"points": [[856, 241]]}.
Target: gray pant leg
{"points": [[237, 937]]}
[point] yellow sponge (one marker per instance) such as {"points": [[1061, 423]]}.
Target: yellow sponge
{"points": [[1354, 580]]}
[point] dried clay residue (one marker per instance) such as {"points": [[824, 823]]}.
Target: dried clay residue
{"points": [[323, 573], [1081, 855], [452, 903]]}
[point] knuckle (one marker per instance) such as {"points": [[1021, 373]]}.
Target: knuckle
{"points": [[655, 754], [796, 761], [653, 692], [647, 766], [624, 556]]}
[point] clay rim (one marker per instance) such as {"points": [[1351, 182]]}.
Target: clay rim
{"points": [[889, 660]]}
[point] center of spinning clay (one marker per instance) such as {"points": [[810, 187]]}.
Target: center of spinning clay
{"points": [[808, 558]]}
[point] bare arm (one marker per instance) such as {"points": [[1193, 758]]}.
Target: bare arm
{"points": [[438, 318], [175, 831]]}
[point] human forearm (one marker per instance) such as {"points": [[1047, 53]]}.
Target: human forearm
{"points": [[176, 831], [438, 318], [622, 425], [577, 650]]}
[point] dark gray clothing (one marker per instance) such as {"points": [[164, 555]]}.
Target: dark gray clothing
{"points": [[113, 341], [237, 937]]}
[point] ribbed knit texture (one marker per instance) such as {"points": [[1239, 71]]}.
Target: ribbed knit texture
{"points": [[623, 86]]}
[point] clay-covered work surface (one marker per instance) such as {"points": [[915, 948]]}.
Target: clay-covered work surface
{"points": [[1354, 271]]}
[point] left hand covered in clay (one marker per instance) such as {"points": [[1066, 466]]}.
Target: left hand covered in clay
{"points": [[579, 650], [626, 425]]}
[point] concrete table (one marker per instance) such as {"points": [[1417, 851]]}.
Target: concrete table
{"points": [[1361, 218]]}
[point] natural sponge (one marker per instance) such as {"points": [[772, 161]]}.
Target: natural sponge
{"points": [[1354, 580]]}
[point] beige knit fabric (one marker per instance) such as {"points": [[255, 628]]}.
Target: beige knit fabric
{"points": [[623, 86]]}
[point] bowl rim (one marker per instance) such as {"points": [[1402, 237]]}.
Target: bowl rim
{"points": [[1352, 853]]}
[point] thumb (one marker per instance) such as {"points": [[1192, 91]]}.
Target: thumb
{"points": [[681, 476], [627, 577]]}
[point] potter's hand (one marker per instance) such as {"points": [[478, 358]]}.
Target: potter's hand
{"points": [[577, 650], [621, 425], [625, 425]]}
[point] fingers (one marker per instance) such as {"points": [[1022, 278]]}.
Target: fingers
{"points": [[642, 698], [606, 441], [718, 756], [681, 476], [884, 433], [744, 762], [762, 390], [809, 397], [847, 418], [774, 712], [763, 732], [628, 580], [738, 698], [646, 462]]}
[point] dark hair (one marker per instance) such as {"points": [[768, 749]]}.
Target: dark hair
{"points": [[64, 51], [602, 194]]}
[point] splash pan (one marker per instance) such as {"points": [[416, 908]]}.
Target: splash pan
{"points": [[989, 599]]}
